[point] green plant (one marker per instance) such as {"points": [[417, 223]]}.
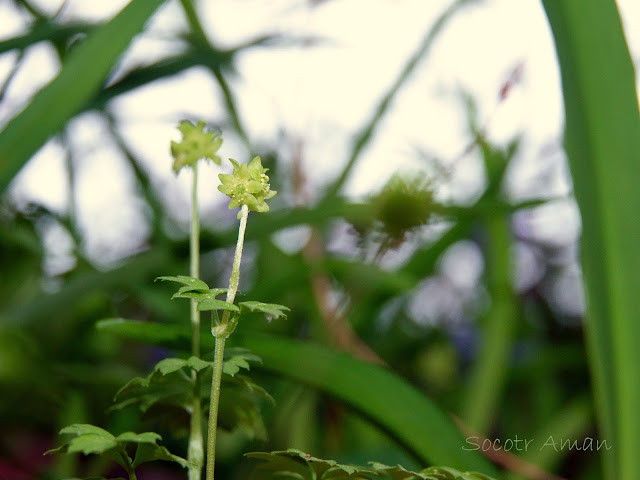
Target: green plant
{"points": [[248, 187], [169, 383]]}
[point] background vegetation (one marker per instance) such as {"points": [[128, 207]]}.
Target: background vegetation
{"points": [[355, 374]]}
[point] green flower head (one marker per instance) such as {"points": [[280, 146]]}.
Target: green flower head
{"points": [[196, 143], [247, 185]]}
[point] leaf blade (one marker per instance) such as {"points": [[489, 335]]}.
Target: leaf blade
{"points": [[78, 81]]}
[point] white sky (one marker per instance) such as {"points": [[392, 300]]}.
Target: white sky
{"points": [[321, 95]]}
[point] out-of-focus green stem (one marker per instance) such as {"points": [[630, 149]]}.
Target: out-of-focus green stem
{"points": [[219, 348], [487, 378], [195, 452]]}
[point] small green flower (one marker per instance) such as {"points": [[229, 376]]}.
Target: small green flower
{"points": [[247, 185], [196, 143]]}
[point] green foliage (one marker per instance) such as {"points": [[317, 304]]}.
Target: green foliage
{"points": [[199, 291], [197, 143], [169, 385], [39, 370], [368, 388], [293, 463], [238, 358], [89, 439], [271, 310], [80, 79], [602, 138], [190, 283]]}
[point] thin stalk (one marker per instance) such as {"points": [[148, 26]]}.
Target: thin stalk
{"points": [[195, 453], [219, 348], [128, 466]]}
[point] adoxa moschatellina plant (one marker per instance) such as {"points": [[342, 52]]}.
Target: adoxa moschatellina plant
{"points": [[248, 188]]}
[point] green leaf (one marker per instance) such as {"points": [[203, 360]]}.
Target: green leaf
{"points": [[80, 78], [169, 365], [85, 429], [213, 304], [146, 437], [190, 283], [168, 388], [602, 138], [249, 386], [90, 443], [236, 361], [198, 364], [294, 463], [161, 386], [199, 295], [88, 439], [149, 452], [271, 310]]}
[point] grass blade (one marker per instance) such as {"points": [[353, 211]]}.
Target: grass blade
{"points": [[365, 135], [79, 80], [603, 145]]}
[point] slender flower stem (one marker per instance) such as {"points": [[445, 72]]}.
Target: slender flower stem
{"points": [[195, 452], [219, 348]]}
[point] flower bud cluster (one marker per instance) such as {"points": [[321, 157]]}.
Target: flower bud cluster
{"points": [[196, 143], [247, 185]]}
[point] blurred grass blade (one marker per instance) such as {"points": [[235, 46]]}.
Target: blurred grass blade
{"points": [[571, 422], [384, 397], [603, 145], [365, 135], [44, 31], [79, 80]]}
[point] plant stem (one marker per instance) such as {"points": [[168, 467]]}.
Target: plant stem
{"points": [[128, 466], [195, 453], [219, 348], [213, 406], [194, 255]]}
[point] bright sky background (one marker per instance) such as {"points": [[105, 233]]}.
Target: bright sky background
{"points": [[320, 95]]}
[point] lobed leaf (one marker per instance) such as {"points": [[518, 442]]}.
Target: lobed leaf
{"points": [[214, 304], [239, 359], [148, 452], [271, 310], [293, 463], [90, 439], [199, 295], [157, 387], [146, 437], [190, 282]]}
